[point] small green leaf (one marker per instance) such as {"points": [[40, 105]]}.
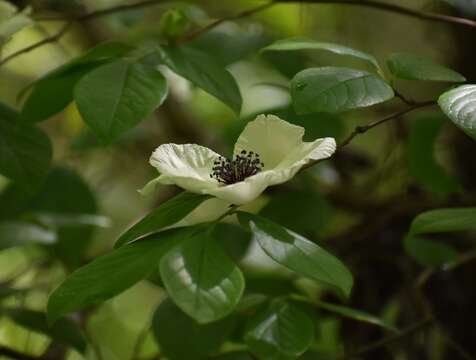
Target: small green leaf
{"points": [[203, 71], [63, 331], [117, 96], [174, 23], [165, 215], [14, 233], [110, 274], [25, 151], [429, 252], [283, 331], [201, 278], [354, 314], [300, 43], [335, 89], [444, 220], [422, 163], [182, 338], [12, 20], [413, 67], [54, 91], [298, 253], [459, 105]]}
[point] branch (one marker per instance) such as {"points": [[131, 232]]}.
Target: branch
{"points": [[390, 339], [362, 129], [423, 15], [198, 32], [115, 9]]}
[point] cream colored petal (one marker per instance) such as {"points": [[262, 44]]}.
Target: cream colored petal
{"points": [[271, 137], [188, 166]]}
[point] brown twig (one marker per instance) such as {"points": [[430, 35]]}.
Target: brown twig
{"points": [[410, 330], [194, 34], [362, 129], [423, 15]]}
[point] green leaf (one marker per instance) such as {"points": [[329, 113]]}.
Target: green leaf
{"points": [[65, 192], [459, 105], [234, 239], [283, 331], [298, 253], [181, 337], [300, 43], [233, 355], [115, 97], [63, 331], [444, 220], [166, 214], [54, 91], [25, 151], [201, 278], [354, 314], [14, 233], [422, 164], [203, 71], [428, 252], [12, 20], [413, 67], [110, 274], [334, 89]]}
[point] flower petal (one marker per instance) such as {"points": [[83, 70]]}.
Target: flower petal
{"points": [[271, 137], [188, 166]]}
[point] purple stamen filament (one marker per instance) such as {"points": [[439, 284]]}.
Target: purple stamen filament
{"points": [[228, 171]]}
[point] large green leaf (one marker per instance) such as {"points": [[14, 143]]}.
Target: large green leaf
{"points": [[182, 338], [116, 96], [203, 71], [54, 91], [14, 233], [282, 331], [459, 105], [413, 67], [63, 331], [444, 220], [354, 314], [334, 89], [25, 151], [298, 253], [201, 278], [112, 273], [429, 252], [165, 215], [421, 159], [300, 43]]}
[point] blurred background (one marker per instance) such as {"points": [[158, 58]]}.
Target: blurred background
{"points": [[359, 204]]}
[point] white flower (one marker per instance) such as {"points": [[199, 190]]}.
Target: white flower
{"points": [[269, 151]]}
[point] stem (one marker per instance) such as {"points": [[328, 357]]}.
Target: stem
{"points": [[423, 15], [410, 330]]}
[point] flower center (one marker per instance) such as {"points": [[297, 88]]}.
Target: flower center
{"points": [[228, 171]]}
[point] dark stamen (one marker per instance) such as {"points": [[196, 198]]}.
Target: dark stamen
{"points": [[232, 171]]}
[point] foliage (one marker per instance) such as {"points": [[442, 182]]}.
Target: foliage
{"points": [[303, 270]]}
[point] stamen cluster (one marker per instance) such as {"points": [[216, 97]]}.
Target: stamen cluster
{"points": [[228, 171]]}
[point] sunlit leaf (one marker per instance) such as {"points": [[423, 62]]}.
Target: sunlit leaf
{"points": [[459, 105], [116, 96], [203, 71], [335, 89], [298, 253], [110, 274], [414, 67], [165, 215], [300, 43], [201, 279]]}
